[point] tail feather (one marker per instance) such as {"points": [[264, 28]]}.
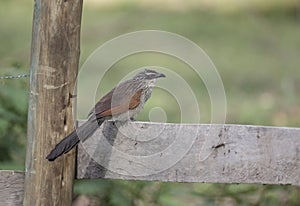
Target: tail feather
{"points": [[69, 142], [64, 146]]}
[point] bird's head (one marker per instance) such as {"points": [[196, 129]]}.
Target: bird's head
{"points": [[148, 74]]}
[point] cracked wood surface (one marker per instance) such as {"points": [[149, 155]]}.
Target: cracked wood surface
{"points": [[193, 153], [54, 63]]}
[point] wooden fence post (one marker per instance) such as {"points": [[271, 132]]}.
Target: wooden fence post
{"points": [[54, 64]]}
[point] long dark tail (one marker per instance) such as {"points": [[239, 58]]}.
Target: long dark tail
{"points": [[69, 142]]}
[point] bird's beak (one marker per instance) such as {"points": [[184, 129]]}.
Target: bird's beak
{"points": [[161, 75]]}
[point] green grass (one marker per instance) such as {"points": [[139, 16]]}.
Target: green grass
{"points": [[256, 52]]}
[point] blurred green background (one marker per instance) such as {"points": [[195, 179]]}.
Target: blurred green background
{"points": [[255, 46]]}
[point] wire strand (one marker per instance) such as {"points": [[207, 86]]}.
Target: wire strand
{"points": [[15, 77]]}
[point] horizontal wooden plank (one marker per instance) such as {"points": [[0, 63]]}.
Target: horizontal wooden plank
{"points": [[12, 187], [181, 153], [192, 153]]}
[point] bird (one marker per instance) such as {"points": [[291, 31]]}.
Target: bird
{"points": [[122, 103]]}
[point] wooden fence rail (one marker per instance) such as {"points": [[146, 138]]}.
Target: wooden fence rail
{"points": [[181, 153]]}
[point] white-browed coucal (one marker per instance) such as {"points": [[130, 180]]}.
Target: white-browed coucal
{"points": [[122, 103]]}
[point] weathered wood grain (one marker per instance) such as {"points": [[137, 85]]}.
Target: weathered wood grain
{"points": [[54, 64], [193, 153], [11, 187], [199, 153]]}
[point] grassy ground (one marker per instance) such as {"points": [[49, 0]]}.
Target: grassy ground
{"points": [[256, 52]]}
